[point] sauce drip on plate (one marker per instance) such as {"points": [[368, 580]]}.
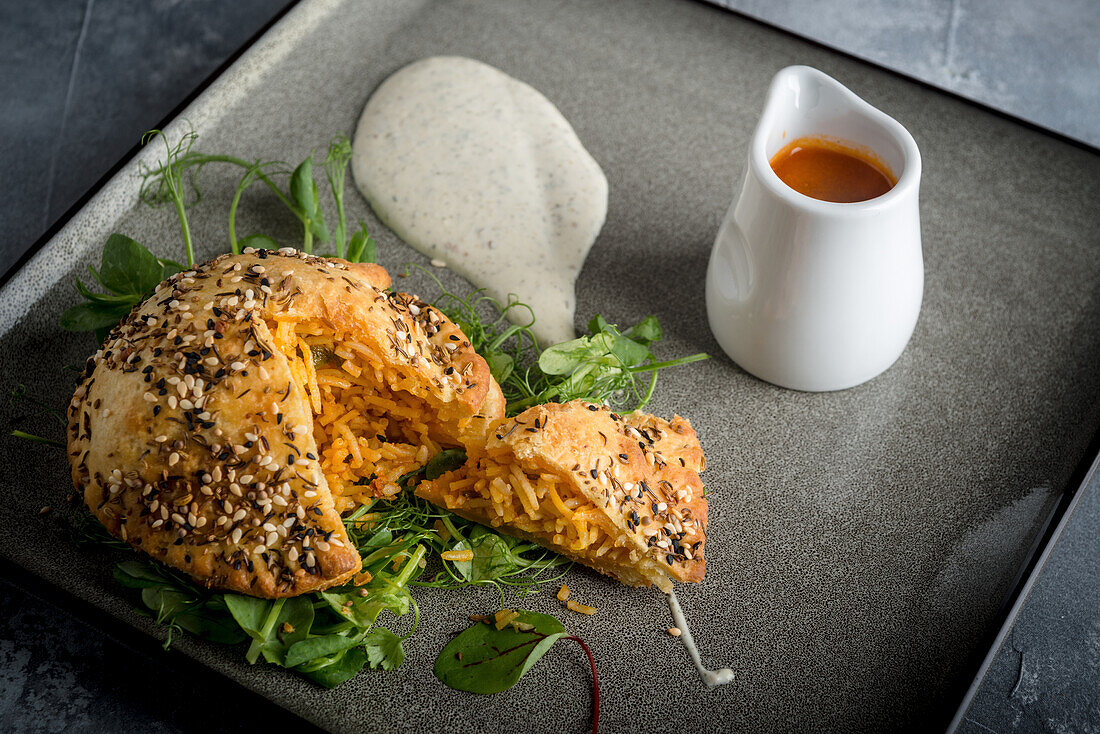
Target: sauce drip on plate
{"points": [[711, 678], [471, 166], [831, 171]]}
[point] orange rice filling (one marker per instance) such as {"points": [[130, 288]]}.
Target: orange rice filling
{"points": [[368, 433], [541, 505]]}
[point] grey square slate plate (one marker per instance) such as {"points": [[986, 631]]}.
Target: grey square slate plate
{"points": [[861, 543]]}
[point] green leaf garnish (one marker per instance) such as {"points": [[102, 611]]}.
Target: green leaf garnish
{"points": [[491, 656], [93, 315], [130, 273], [384, 649], [483, 659], [361, 248], [333, 672], [128, 268]]}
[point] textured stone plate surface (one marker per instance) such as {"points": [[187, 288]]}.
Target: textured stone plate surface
{"points": [[861, 543]]}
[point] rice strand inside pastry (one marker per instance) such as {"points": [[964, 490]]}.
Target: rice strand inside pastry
{"points": [[369, 431]]}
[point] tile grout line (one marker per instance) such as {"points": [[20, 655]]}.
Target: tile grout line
{"points": [[952, 32], [51, 177]]}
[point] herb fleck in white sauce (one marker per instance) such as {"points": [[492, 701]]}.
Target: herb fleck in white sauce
{"points": [[474, 167], [711, 678]]}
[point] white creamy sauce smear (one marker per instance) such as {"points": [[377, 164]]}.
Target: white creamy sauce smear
{"points": [[711, 677], [471, 166]]}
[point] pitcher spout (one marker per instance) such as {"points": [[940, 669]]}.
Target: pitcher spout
{"points": [[806, 103]]}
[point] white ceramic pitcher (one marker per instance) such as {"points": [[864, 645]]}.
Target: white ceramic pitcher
{"points": [[810, 294]]}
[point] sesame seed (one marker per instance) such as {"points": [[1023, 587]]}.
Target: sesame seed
{"points": [[235, 536], [674, 631], [437, 263]]}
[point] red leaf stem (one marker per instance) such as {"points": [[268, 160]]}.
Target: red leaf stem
{"points": [[595, 682]]}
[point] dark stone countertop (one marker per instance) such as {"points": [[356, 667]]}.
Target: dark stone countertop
{"points": [[83, 79]]}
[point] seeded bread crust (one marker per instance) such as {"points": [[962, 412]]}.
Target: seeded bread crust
{"points": [[640, 470], [190, 439]]}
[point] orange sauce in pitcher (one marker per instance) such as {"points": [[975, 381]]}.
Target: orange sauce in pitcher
{"points": [[832, 171]]}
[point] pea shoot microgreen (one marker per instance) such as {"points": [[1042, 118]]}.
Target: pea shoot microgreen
{"points": [[24, 406], [603, 366]]}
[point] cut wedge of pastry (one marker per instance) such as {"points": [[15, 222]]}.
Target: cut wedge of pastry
{"points": [[230, 418], [620, 494]]}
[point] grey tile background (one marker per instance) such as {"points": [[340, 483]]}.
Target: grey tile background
{"points": [[1038, 60], [81, 79]]}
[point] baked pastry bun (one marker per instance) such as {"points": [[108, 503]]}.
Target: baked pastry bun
{"points": [[620, 494], [229, 419]]}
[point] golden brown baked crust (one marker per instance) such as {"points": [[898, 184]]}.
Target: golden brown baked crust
{"points": [[190, 439], [639, 471]]}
